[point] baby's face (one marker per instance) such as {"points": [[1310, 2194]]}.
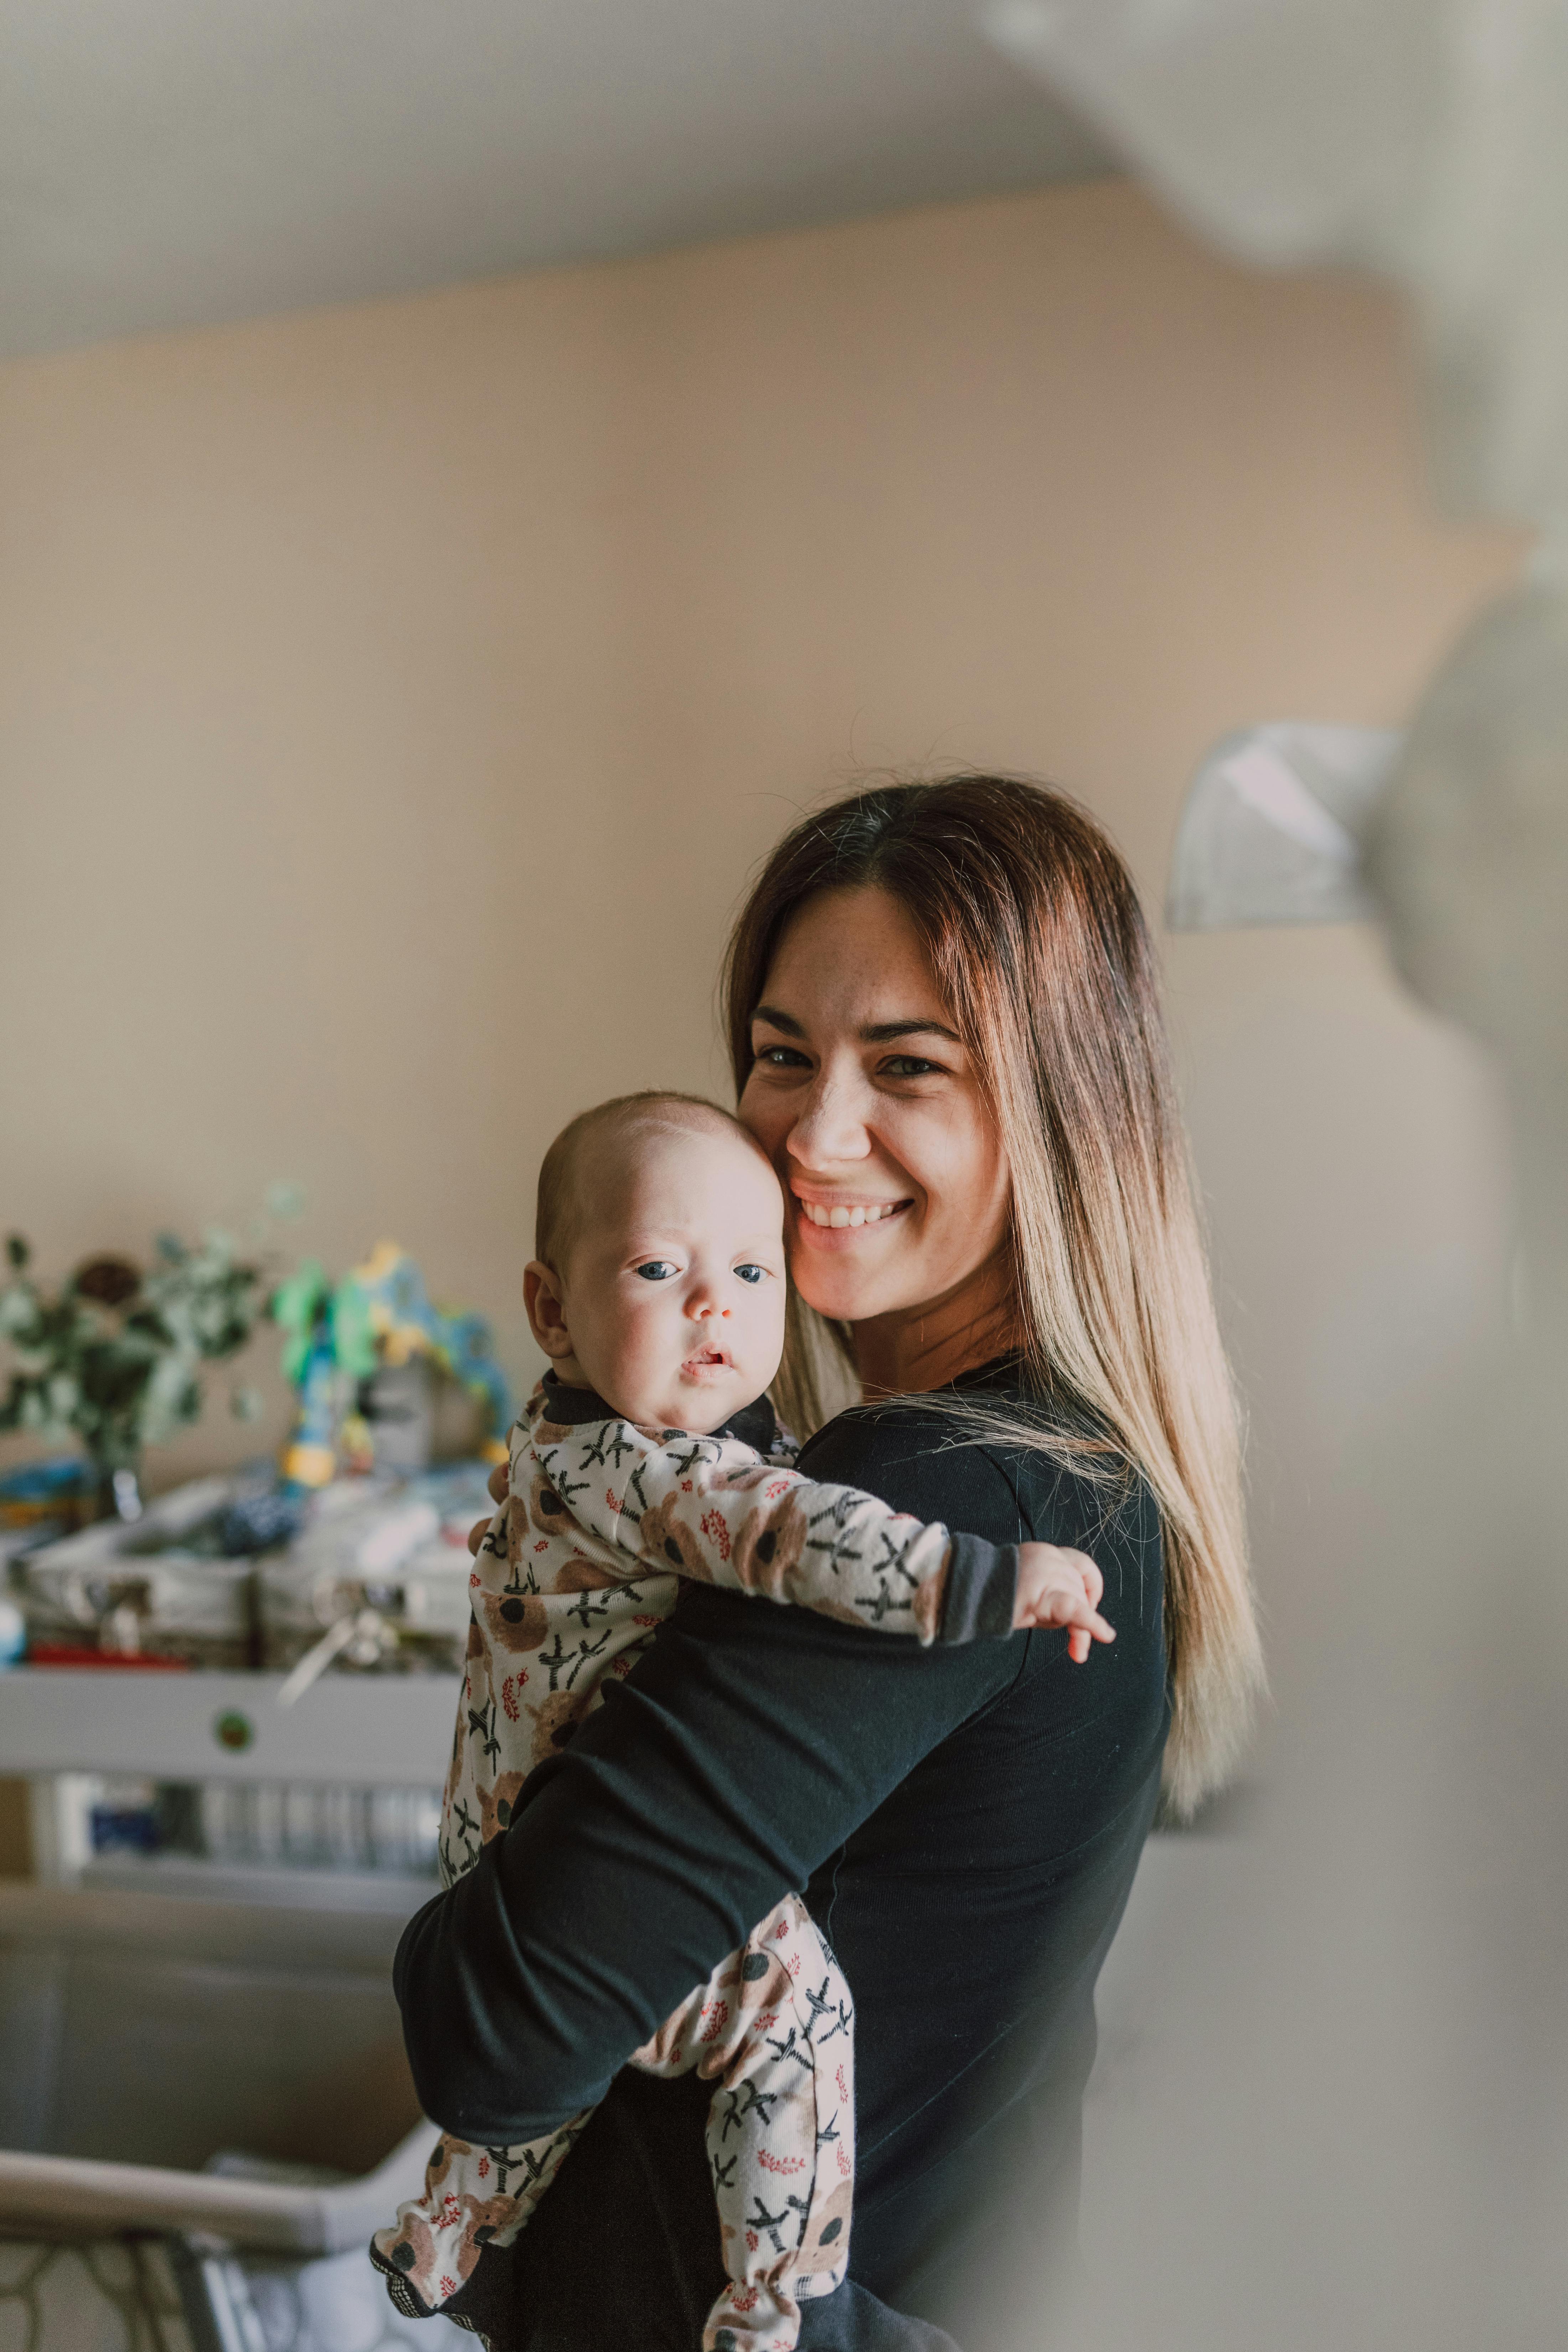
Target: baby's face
{"points": [[674, 1291]]}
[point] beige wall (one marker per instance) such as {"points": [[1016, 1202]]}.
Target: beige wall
{"points": [[392, 701]]}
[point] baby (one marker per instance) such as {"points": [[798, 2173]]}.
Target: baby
{"points": [[650, 1453]]}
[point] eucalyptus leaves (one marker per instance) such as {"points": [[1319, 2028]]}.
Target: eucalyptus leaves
{"points": [[113, 1356]]}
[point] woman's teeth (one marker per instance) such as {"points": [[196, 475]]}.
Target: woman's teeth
{"points": [[863, 1214]]}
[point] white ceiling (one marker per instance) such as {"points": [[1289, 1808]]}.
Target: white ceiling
{"points": [[169, 162]]}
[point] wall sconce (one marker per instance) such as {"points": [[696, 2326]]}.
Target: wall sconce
{"points": [[1272, 825]]}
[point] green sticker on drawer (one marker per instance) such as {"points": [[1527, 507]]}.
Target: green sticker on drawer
{"points": [[233, 1730]]}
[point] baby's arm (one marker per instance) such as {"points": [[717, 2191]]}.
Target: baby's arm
{"points": [[712, 1509]]}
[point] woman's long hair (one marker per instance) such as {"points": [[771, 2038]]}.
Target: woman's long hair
{"points": [[1038, 944]]}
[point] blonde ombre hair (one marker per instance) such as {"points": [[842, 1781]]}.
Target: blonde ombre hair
{"points": [[1038, 944]]}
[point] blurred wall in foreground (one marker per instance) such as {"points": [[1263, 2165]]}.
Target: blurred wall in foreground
{"points": [[392, 701]]}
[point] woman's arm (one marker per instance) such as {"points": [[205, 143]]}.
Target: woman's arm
{"points": [[744, 1749], [746, 1745]]}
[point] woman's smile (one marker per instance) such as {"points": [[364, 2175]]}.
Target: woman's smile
{"points": [[822, 1212]]}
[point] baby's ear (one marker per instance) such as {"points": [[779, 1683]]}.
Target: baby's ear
{"points": [[546, 1307]]}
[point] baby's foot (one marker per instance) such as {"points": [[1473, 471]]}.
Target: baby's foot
{"points": [[433, 2245], [756, 2316]]}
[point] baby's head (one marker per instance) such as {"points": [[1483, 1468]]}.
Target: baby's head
{"points": [[658, 1272]]}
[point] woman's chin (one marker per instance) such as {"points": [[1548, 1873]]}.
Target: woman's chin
{"points": [[844, 1292]]}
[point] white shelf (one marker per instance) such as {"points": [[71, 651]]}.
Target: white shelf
{"points": [[375, 1730]]}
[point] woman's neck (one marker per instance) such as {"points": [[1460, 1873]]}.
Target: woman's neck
{"points": [[915, 1349]]}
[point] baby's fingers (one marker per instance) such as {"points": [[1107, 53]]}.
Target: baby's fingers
{"points": [[1083, 1638], [1070, 1606], [1085, 1624]]}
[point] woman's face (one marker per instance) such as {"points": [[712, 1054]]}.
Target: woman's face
{"points": [[863, 1097]]}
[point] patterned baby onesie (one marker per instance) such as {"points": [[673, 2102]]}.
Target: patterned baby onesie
{"points": [[579, 1569]]}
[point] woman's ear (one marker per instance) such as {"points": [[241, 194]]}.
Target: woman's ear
{"points": [[541, 1295]]}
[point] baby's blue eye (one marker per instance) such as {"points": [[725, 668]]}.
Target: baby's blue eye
{"points": [[657, 1269], [752, 1273]]}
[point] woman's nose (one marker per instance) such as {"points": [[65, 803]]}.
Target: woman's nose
{"points": [[831, 1127]]}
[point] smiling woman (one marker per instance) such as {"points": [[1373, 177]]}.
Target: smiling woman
{"points": [[943, 1004], [946, 1039]]}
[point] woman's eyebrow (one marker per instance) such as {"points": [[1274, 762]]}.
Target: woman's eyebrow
{"points": [[881, 1032], [875, 1033]]}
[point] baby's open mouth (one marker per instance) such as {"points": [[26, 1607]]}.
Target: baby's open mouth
{"points": [[840, 1214], [708, 1359]]}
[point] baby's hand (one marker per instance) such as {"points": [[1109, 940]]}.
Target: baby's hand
{"points": [[1061, 1588]]}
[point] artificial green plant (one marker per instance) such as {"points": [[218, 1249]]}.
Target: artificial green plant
{"points": [[112, 1355]]}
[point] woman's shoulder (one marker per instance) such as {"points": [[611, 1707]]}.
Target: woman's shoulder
{"points": [[995, 1456]]}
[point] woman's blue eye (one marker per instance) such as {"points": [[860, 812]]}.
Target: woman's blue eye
{"points": [[657, 1269], [752, 1273]]}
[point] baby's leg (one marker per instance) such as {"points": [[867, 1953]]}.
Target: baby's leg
{"points": [[774, 2024], [474, 2197]]}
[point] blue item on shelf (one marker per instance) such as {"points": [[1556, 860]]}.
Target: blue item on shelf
{"points": [[13, 1635], [44, 1481], [123, 1828], [256, 1523]]}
